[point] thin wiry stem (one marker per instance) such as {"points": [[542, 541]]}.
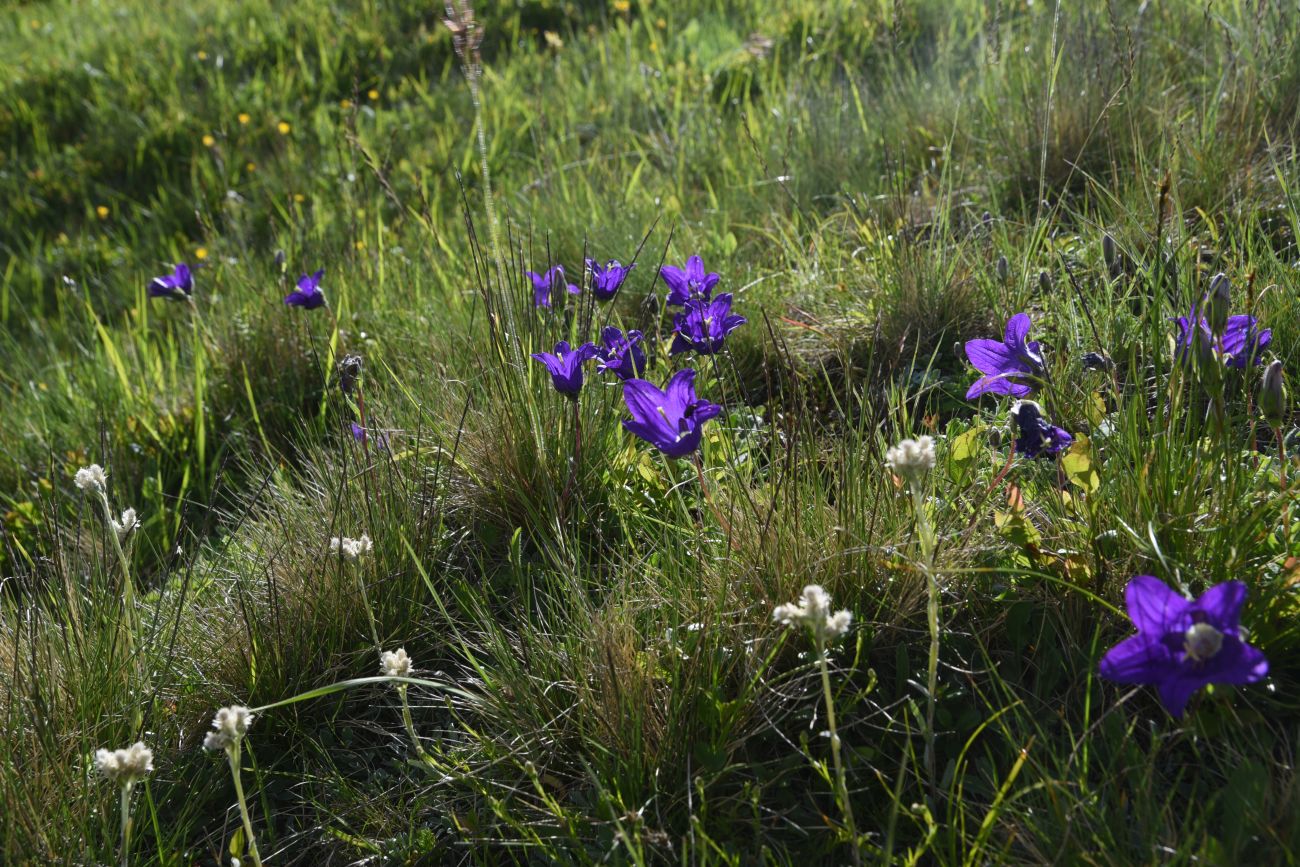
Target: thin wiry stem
{"points": [[926, 538], [841, 780]]}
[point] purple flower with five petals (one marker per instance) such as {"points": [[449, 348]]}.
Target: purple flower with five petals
{"points": [[177, 285], [1035, 437], [565, 366], [705, 325], [688, 282], [671, 419], [1242, 342], [542, 285], [607, 279], [1006, 363], [308, 295], [621, 355], [1182, 644]]}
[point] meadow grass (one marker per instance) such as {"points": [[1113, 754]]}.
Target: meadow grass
{"points": [[598, 674]]}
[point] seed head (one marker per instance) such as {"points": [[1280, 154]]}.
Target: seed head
{"points": [[229, 727], [353, 549], [124, 526], [813, 610], [395, 663], [911, 460], [91, 479], [125, 766]]}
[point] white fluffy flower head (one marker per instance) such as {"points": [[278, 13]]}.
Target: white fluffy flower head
{"points": [[125, 766], [813, 610], [128, 523], [91, 479], [395, 663], [911, 460], [229, 727], [353, 549]]}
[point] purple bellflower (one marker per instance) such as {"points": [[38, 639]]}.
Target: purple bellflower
{"points": [[607, 279], [1182, 644], [621, 355], [704, 325], [1035, 437], [688, 282], [565, 366], [363, 436], [1006, 363], [542, 284], [1242, 342], [308, 295], [177, 285], [672, 419]]}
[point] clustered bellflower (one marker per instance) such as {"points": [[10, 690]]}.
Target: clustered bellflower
{"points": [[308, 295], [704, 325], [607, 279], [621, 355], [565, 365], [543, 282], [670, 419], [177, 286], [1035, 436], [1006, 364], [1241, 343], [689, 282], [1183, 644]]}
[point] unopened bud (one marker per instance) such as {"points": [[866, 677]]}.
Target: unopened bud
{"points": [[1004, 268], [1110, 253], [1044, 282], [1218, 302], [1272, 395]]}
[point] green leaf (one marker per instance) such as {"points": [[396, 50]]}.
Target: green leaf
{"points": [[966, 449], [1078, 465]]}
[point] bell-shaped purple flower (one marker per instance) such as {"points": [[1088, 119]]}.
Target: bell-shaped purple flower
{"points": [[177, 285], [608, 278], [704, 325], [688, 282], [542, 284], [1007, 363], [671, 419], [1242, 343], [308, 295], [1182, 644], [1035, 437], [565, 366], [621, 355]]}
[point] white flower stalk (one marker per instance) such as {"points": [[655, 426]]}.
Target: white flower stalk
{"points": [[125, 525], [353, 549], [813, 610], [229, 727], [912, 460], [92, 479], [125, 767], [395, 663]]}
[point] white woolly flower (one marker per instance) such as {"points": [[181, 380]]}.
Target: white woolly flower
{"points": [[91, 479], [911, 459], [395, 663], [353, 549], [128, 523], [229, 727], [814, 611], [125, 766]]}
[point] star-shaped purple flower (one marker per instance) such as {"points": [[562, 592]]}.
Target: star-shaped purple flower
{"points": [[671, 419], [688, 282], [1181, 644], [1007, 363], [543, 282], [308, 295], [1242, 342], [704, 325], [608, 278], [621, 355], [565, 366], [177, 285], [1035, 437]]}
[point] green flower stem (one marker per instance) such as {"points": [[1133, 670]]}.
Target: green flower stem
{"points": [[125, 809], [409, 723], [841, 781], [232, 753], [925, 535]]}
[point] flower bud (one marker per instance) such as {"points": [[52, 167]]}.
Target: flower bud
{"points": [[1272, 395], [1218, 302], [1004, 268], [1044, 282], [1110, 253]]}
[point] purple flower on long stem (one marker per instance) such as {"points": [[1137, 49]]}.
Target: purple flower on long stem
{"points": [[704, 325], [1006, 363], [543, 282], [1242, 342], [1035, 437], [671, 419], [177, 285], [565, 366], [308, 295], [608, 278], [1182, 644], [364, 436], [688, 282], [621, 355]]}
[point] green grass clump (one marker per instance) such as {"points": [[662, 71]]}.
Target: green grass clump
{"points": [[599, 677]]}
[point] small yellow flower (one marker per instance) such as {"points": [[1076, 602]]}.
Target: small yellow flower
{"points": [[208, 141], [373, 94], [63, 238], [201, 253], [42, 386], [203, 55], [661, 23], [623, 6], [252, 167], [283, 127], [36, 25], [345, 104], [244, 118], [360, 245], [654, 46], [102, 211], [299, 198], [553, 39]]}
